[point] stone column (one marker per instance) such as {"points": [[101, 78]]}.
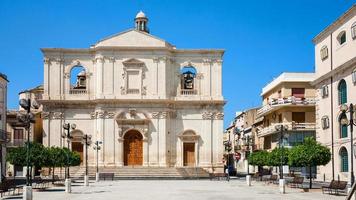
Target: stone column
{"points": [[162, 139], [99, 76], [145, 147], [101, 129]]}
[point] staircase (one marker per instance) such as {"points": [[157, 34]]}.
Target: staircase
{"points": [[139, 173]]}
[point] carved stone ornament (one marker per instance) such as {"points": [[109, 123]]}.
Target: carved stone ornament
{"points": [[101, 114], [123, 90], [66, 75], [164, 115], [155, 115], [110, 115], [76, 63], [57, 115], [219, 115], [207, 115], [207, 61], [93, 115], [200, 76], [111, 59], [45, 115], [155, 60], [144, 90]]}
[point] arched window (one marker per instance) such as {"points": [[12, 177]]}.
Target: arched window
{"points": [[344, 158], [188, 75], [343, 130], [78, 78], [341, 38], [342, 90], [353, 30]]}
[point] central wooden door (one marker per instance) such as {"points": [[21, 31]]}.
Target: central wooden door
{"points": [[133, 154], [189, 154], [78, 147]]}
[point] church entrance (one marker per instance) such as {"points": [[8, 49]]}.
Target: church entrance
{"points": [[189, 154], [78, 147], [133, 154]]}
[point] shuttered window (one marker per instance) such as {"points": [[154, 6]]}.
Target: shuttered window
{"points": [[342, 90]]}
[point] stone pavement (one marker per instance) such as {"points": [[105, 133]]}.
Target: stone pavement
{"points": [[178, 190]]}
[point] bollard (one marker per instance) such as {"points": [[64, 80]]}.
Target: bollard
{"points": [[282, 186], [27, 192], [97, 177], [68, 185], [86, 180], [248, 180]]}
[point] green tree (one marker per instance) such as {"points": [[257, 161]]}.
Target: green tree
{"points": [[275, 157], [259, 158], [308, 154]]}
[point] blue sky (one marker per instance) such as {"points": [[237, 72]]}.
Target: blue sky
{"points": [[261, 38]]}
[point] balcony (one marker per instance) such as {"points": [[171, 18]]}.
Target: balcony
{"points": [[186, 92], [132, 91], [292, 126], [78, 91], [274, 104]]}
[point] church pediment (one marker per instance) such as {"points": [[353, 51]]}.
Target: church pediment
{"points": [[132, 38], [133, 61], [132, 117]]}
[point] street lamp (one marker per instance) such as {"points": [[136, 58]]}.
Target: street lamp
{"points": [[345, 122], [87, 142], [27, 118], [248, 141], [281, 128], [97, 147], [68, 127]]}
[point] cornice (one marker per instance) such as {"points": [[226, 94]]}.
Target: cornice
{"points": [[350, 63], [168, 102], [334, 25]]}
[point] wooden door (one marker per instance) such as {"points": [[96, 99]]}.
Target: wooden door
{"points": [[133, 153], [78, 147], [189, 154]]}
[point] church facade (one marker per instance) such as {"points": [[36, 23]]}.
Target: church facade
{"points": [[149, 103]]}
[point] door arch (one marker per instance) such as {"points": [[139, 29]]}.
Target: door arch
{"points": [[133, 151]]}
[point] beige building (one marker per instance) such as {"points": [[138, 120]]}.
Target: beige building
{"points": [[150, 103], [16, 132], [335, 68], [242, 135], [3, 134], [288, 100]]}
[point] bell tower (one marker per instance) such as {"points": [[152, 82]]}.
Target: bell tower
{"points": [[141, 22]]}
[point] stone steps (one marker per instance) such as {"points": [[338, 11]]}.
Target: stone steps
{"points": [[140, 172]]}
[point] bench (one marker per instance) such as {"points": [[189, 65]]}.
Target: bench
{"points": [[272, 179], [336, 187], [106, 175], [218, 176], [39, 183], [297, 182], [257, 176], [8, 186]]}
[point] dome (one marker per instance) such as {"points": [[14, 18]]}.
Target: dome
{"points": [[140, 15]]}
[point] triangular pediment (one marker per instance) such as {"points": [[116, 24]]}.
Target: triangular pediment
{"points": [[133, 61], [132, 38]]}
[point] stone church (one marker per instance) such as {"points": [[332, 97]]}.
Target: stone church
{"points": [[150, 104]]}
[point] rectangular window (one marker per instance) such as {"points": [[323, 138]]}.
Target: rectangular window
{"points": [[18, 134], [354, 76], [353, 31], [298, 92], [324, 53], [343, 131], [298, 117], [324, 91]]}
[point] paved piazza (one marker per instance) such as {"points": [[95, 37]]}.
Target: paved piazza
{"points": [[179, 189]]}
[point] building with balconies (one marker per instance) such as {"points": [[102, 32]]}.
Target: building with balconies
{"points": [[288, 100], [3, 134], [16, 131], [150, 103], [335, 83]]}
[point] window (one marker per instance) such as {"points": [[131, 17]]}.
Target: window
{"points": [[78, 77], [354, 76], [298, 92], [353, 30], [298, 117], [342, 92], [324, 52], [188, 75], [341, 38], [344, 160], [325, 122], [343, 129], [324, 91]]}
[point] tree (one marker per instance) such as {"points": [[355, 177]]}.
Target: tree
{"points": [[308, 154], [258, 158], [275, 157]]}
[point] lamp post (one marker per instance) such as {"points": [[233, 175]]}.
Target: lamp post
{"points": [[281, 128], [67, 135], [97, 147], [27, 118], [248, 141], [87, 142], [344, 121]]}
